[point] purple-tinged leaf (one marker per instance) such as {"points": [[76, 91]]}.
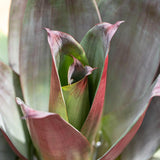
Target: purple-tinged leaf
{"points": [[56, 101], [116, 137], [77, 71], [15, 23], [147, 139], [10, 118], [53, 137], [76, 95], [35, 60], [96, 45], [135, 53], [62, 46]]}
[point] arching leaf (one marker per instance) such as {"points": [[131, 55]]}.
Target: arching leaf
{"points": [[64, 141]]}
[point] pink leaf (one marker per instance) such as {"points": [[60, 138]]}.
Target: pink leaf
{"points": [[53, 137]]}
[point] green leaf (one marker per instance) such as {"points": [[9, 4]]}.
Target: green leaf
{"points": [[119, 126], [10, 118], [17, 10], [147, 139], [53, 137], [77, 102], [35, 59], [3, 48], [76, 95], [96, 45]]}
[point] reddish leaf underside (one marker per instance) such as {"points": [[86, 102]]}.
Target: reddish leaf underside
{"points": [[53, 137], [91, 124], [127, 137], [56, 101]]}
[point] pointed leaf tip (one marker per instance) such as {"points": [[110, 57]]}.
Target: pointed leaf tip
{"points": [[19, 101], [29, 112], [118, 23], [111, 29]]}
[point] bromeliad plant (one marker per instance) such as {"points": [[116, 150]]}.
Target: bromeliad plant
{"points": [[68, 117]]}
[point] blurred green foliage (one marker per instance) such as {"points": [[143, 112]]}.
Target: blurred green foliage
{"points": [[3, 48]]}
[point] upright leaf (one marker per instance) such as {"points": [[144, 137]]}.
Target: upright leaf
{"points": [[35, 60], [10, 119], [53, 137], [62, 46], [76, 95], [96, 45], [17, 10]]}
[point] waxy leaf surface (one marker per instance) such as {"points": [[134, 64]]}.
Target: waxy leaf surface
{"points": [[15, 23], [10, 121], [53, 137], [116, 137], [35, 59], [96, 45]]}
